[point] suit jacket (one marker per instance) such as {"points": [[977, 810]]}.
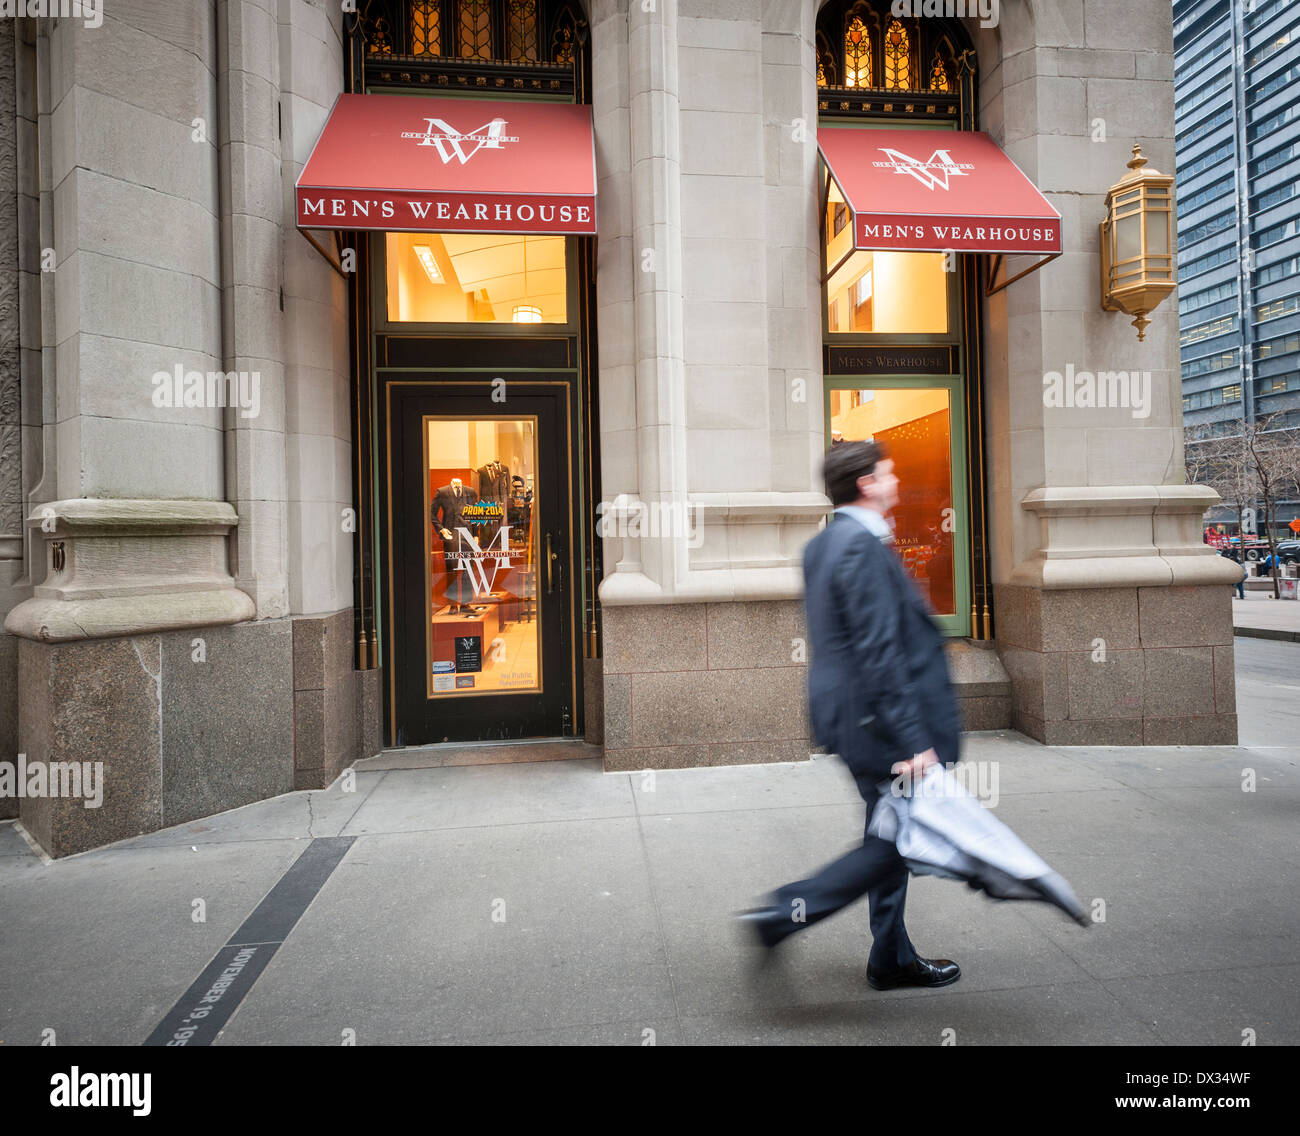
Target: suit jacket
{"points": [[446, 510], [878, 685], [493, 485]]}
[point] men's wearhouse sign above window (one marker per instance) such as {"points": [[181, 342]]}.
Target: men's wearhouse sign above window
{"points": [[398, 163]]}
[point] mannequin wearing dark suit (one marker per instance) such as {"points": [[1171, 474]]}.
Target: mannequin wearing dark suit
{"points": [[493, 481], [447, 514], [494, 485]]}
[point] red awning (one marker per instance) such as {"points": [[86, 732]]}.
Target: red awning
{"points": [[407, 163], [940, 191]]}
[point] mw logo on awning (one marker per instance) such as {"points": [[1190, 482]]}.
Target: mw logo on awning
{"points": [[451, 143], [931, 174]]}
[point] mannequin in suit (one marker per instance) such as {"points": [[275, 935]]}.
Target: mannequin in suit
{"points": [[494, 486], [493, 481], [447, 514]]}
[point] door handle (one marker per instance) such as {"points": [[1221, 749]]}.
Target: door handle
{"points": [[550, 559]]}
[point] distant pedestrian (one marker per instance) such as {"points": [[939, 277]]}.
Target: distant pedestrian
{"points": [[1240, 585]]}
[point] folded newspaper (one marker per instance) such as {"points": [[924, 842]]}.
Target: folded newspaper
{"points": [[940, 829]]}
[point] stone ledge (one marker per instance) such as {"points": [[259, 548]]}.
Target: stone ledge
{"points": [[61, 621], [130, 566], [78, 515], [1121, 536]]}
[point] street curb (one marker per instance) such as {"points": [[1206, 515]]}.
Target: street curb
{"points": [[1267, 633]]}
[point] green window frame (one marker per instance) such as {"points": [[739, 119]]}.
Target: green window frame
{"points": [[959, 622]]}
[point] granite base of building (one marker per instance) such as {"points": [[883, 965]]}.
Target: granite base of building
{"points": [[704, 684], [726, 684], [336, 709], [593, 704], [8, 713], [183, 724], [1119, 666]]}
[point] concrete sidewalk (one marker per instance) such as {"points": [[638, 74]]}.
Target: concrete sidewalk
{"points": [[553, 903], [1260, 616]]}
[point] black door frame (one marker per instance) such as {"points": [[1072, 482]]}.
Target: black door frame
{"points": [[445, 391]]}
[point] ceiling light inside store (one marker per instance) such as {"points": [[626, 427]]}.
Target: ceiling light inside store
{"points": [[424, 254], [528, 313]]}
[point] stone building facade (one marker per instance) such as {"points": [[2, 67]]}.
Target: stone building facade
{"points": [[207, 601]]}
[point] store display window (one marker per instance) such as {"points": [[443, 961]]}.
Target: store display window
{"points": [[482, 498]]}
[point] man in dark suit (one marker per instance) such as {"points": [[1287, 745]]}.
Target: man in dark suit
{"points": [[879, 696]]}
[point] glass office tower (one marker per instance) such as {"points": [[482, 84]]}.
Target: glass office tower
{"points": [[1236, 70]]}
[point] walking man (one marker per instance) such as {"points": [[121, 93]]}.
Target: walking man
{"points": [[879, 696]]}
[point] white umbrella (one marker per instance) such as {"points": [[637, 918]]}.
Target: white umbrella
{"points": [[940, 829]]}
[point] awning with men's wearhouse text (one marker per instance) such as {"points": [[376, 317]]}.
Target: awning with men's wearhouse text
{"points": [[937, 191], [405, 163]]}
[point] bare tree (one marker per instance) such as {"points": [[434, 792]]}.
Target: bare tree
{"points": [[1251, 469], [1273, 449], [1221, 462]]}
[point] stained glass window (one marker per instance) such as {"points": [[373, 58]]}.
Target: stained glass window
{"points": [[857, 54], [381, 44], [898, 57], [474, 29], [939, 75], [562, 44], [521, 32], [426, 18]]}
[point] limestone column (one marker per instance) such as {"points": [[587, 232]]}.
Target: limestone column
{"points": [[126, 657], [1112, 617], [707, 268], [251, 207]]}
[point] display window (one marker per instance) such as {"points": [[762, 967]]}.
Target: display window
{"points": [[897, 293], [915, 424], [482, 278], [484, 628]]}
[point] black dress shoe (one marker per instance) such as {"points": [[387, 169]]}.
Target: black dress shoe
{"points": [[920, 972], [762, 923]]}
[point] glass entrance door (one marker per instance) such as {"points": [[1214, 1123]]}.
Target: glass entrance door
{"points": [[919, 421], [482, 613]]}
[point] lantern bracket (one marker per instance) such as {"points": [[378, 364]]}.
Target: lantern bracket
{"points": [[995, 262]]}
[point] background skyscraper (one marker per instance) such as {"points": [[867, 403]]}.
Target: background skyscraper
{"points": [[1237, 116]]}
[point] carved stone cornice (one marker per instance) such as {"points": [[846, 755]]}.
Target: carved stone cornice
{"points": [[127, 567], [1122, 536]]}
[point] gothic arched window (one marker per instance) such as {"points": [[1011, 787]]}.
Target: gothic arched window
{"points": [[827, 71], [943, 69], [474, 29], [426, 27], [521, 31], [939, 75], [898, 57], [857, 54]]}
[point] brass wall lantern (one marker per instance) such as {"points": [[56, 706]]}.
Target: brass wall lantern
{"points": [[1137, 264]]}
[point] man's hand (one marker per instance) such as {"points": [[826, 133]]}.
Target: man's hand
{"points": [[915, 769]]}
